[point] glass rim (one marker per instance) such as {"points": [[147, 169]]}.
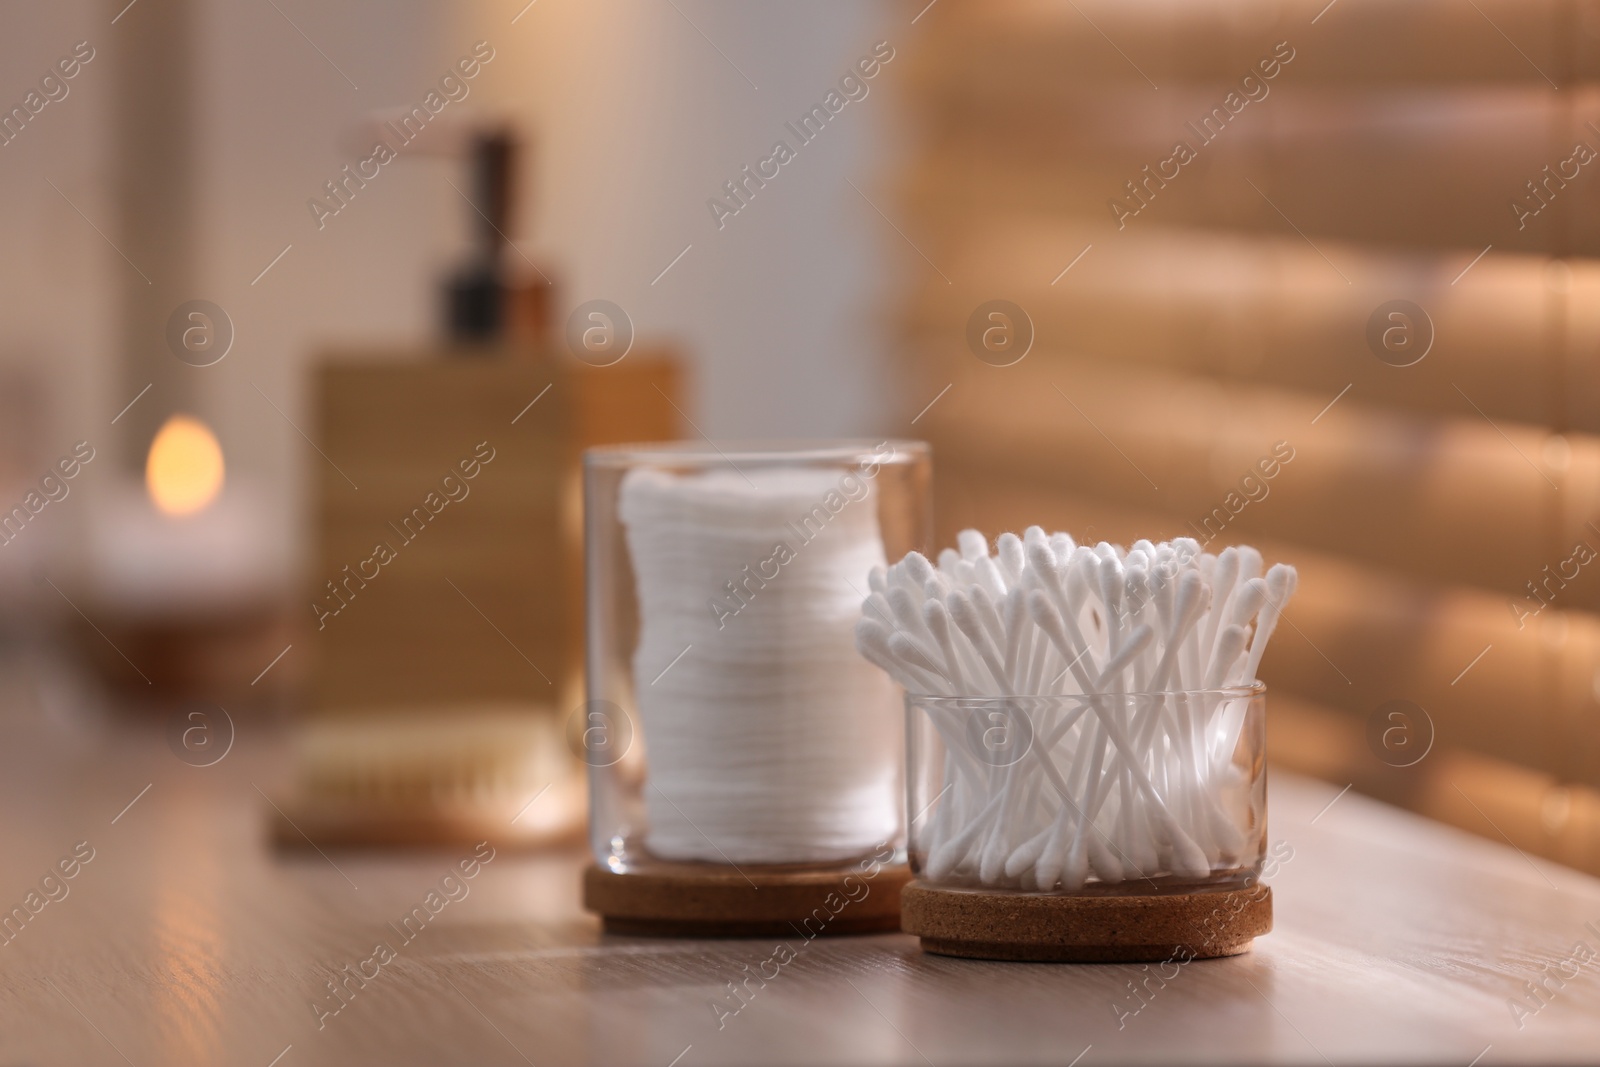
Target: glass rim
{"points": [[758, 452], [1232, 692]]}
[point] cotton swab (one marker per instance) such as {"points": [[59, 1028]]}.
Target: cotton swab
{"points": [[1116, 665]]}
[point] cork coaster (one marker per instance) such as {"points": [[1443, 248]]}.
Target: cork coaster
{"points": [[1085, 929], [694, 900]]}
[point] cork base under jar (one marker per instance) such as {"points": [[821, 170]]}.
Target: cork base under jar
{"points": [[692, 900], [1085, 929]]}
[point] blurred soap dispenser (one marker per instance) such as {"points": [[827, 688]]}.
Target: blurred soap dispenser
{"points": [[497, 293]]}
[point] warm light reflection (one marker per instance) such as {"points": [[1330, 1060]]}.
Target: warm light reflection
{"points": [[184, 471]]}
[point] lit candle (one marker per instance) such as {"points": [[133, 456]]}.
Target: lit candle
{"points": [[185, 543]]}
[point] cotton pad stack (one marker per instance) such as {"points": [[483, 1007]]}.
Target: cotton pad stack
{"points": [[768, 738], [1126, 675]]}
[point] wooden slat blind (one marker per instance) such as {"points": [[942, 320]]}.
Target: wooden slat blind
{"points": [[1224, 308]]}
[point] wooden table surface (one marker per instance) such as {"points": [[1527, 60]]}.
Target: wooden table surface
{"points": [[187, 940]]}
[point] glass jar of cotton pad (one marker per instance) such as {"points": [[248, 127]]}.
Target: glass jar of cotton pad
{"points": [[746, 764]]}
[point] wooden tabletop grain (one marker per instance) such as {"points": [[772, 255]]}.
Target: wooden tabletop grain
{"points": [[185, 939]]}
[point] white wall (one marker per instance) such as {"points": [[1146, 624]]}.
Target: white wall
{"points": [[641, 120], [57, 278], [638, 120]]}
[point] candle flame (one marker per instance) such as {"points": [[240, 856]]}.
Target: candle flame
{"points": [[184, 470]]}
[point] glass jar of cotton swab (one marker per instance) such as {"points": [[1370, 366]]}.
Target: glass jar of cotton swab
{"points": [[1086, 772], [746, 765], [1035, 794]]}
